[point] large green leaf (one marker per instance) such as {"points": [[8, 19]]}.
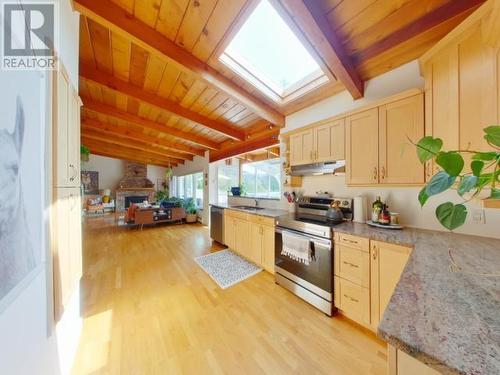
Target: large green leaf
{"points": [[440, 182], [486, 156], [477, 167], [467, 184], [452, 162], [428, 147], [451, 216], [423, 196], [493, 135], [495, 194]]}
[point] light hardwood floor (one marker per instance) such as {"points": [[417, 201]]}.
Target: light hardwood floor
{"points": [[149, 309]]}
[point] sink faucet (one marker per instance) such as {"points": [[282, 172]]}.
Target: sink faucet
{"points": [[256, 203]]}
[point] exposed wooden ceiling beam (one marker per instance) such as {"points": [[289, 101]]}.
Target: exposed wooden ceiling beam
{"points": [[132, 158], [117, 84], [118, 20], [308, 15], [238, 148], [111, 138], [111, 111], [126, 132], [111, 149], [417, 27]]}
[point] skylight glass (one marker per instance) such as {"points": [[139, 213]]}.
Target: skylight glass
{"points": [[266, 48]]}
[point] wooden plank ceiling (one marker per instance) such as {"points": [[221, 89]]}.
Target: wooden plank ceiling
{"points": [[154, 89]]}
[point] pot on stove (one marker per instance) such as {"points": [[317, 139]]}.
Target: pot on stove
{"points": [[334, 212]]}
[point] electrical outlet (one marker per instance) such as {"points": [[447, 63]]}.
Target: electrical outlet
{"points": [[478, 216]]}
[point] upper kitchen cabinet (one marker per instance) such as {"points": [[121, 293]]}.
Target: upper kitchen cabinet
{"points": [[329, 140], [462, 79], [66, 112], [301, 147], [320, 143], [378, 150], [400, 122], [362, 147]]}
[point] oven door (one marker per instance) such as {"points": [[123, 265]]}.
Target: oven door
{"points": [[317, 276]]}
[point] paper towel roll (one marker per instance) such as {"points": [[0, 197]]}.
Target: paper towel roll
{"points": [[360, 209]]}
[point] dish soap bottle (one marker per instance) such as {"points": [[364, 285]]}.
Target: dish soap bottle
{"points": [[376, 209]]}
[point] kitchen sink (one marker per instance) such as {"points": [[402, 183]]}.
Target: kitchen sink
{"points": [[249, 208]]}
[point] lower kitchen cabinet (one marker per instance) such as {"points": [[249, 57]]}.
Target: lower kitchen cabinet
{"points": [[353, 300], [400, 363], [387, 262], [251, 236]]}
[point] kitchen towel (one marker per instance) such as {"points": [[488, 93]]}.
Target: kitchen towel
{"points": [[296, 247], [360, 209]]}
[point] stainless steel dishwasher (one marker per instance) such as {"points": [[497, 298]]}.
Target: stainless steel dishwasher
{"points": [[217, 224]]}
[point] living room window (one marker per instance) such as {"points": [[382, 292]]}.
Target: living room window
{"points": [[262, 179], [191, 186]]}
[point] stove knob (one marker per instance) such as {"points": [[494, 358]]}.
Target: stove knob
{"points": [[345, 203]]}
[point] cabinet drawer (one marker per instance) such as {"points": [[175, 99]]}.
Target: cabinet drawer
{"points": [[353, 300], [237, 214], [262, 220], [360, 243], [352, 264]]}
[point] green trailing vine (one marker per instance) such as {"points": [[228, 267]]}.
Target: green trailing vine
{"points": [[484, 173]]}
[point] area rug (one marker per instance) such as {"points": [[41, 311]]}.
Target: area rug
{"points": [[227, 268]]}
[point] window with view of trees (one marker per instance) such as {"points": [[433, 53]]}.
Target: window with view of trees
{"points": [[262, 179], [191, 186], [227, 177]]}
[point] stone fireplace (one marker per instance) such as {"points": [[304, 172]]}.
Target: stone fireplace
{"points": [[134, 185]]}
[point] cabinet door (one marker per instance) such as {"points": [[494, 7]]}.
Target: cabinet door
{"points": [[228, 231], [241, 237], [66, 246], [387, 264], [398, 159], [337, 140], [268, 248], [329, 141], [256, 242], [301, 148], [74, 138], [61, 109], [362, 148]]}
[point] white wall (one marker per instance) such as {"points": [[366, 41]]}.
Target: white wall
{"points": [[111, 171], [402, 200], [198, 164], [28, 342]]}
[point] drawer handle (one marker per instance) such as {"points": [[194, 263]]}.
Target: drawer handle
{"points": [[350, 241], [351, 264], [352, 299]]}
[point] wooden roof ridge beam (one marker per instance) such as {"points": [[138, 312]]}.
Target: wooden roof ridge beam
{"points": [[104, 146], [120, 130], [418, 26], [309, 17], [117, 84], [142, 146], [111, 111], [132, 158], [120, 21]]}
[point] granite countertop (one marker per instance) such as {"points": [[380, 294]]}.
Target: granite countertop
{"points": [[268, 212], [443, 316]]}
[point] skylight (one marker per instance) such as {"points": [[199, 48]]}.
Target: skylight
{"points": [[266, 52]]}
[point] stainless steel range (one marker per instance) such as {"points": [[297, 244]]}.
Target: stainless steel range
{"points": [[309, 230]]}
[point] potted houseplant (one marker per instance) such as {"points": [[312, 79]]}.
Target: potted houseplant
{"points": [[84, 153], [191, 210], [484, 172]]}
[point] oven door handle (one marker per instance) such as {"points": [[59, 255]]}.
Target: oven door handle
{"points": [[315, 240]]}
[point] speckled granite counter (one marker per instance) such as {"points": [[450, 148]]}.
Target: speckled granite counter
{"points": [[269, 212], [450, 320]]}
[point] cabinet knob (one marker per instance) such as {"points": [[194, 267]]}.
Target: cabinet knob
{"points": [[374, 252], [382, 171], [375, 173]]}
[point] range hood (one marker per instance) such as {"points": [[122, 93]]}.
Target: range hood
{"points": [[314, 169]]}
